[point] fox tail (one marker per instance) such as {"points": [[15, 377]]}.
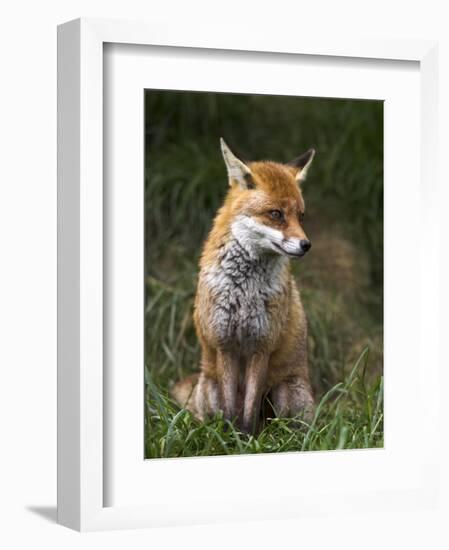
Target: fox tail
{"points": [[182, 391]]}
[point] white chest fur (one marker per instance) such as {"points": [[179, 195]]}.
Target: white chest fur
{"points": [[242, 287]]}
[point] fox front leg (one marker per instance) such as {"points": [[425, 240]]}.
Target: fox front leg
{"points": [[255, 378], [228, 380]]}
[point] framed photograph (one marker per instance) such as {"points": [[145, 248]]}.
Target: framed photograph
{"points": [[240, 226]]}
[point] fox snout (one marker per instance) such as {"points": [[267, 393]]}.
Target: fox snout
{"points": [[305, 245], [295, 247]]}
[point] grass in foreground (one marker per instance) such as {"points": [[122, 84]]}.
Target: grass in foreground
{"points": [[348, 416]]}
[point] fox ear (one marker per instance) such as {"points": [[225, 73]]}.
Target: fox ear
{"points": [[302, 163], [237, 170]]}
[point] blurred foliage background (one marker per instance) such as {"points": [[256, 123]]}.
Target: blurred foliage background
{"points": [[341, 279]]}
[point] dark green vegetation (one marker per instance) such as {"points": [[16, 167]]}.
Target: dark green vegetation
{"points": [[340, 279]]}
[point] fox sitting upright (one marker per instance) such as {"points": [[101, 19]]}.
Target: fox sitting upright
{"points": [[248, 313]]}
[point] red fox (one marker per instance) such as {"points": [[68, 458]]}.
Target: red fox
{"points": [[248, 313]]}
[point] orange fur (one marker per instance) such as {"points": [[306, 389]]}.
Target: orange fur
{"points": [[234, 376]]}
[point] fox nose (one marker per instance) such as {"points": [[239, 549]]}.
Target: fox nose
{"points": [[305, 245]]}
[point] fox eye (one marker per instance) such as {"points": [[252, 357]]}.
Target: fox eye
{"points": [[276, 215], [301, 216]]}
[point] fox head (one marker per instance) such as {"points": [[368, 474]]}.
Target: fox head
{"points": [[266, 204]]}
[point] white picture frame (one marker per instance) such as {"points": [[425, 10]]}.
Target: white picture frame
{"points": [[81, 407]]}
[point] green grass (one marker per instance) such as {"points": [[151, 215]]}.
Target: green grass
{"points": [[341, 279], [348, 416]]}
